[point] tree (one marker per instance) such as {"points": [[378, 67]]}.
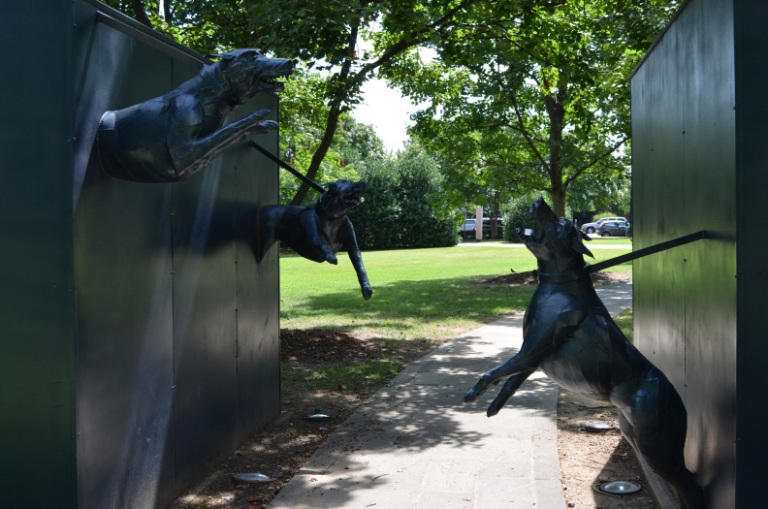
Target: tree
{"points": [[536, 93], [302, 125]]}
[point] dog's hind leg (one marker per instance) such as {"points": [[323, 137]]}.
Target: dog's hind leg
{"points": [[517, 375], [655, 426], [509, 388]]}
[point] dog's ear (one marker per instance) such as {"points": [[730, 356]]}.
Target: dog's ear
{"points": [[579, 246], [577, 237]]}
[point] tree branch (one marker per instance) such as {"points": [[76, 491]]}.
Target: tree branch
{"points": [[526, 135], [595, 160]]}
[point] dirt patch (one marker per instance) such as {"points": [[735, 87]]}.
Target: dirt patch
{"points": [[280, 449], [590, 457], [325, 346], [529, 279]]}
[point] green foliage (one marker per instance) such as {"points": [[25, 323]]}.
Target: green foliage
{"points": [[405, 204], [531, 95], [603, 213], [302, 126]]}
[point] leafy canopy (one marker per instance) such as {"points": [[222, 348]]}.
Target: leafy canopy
{"points": [[533, 95]]}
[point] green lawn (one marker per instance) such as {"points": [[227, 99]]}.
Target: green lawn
{"points": [[417, 294]]}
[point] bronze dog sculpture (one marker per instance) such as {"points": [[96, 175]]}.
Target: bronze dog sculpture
{"points": [[169, 138], [568, 333], [317, 232]]}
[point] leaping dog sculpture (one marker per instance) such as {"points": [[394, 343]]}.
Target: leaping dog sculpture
{"points": [[171, 137], [316, 232], [568, 333]]}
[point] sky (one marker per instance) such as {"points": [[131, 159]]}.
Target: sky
{"points": [[387, 111]]}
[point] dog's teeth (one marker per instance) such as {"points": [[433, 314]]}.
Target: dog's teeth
{"points": [[528, 231]]}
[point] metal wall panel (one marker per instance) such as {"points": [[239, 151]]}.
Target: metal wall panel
{"points": [[751, 19], [214, 218], [37, 327], [124, 279], [205, 331], [684, 180], [158, 395], [138, 337], [258, 286]]}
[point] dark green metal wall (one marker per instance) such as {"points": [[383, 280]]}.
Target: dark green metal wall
{"points": [[699, 163], [751, 43], [37, 306], [138, 336]]}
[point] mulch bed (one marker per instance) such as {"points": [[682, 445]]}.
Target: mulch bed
{"points": [[318, 346]]}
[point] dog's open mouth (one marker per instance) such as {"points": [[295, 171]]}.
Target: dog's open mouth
{"points": [[533, 230], [528, 235], [353, 200], [528, 230], [275, 68], [355, 197]]}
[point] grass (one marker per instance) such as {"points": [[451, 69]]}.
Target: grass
{"points": [[418, 294], [421, 298], [625, 321], [362, 377]]}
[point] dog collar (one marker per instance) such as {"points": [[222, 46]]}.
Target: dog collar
{"points": [[552, 278], [324, 212]]}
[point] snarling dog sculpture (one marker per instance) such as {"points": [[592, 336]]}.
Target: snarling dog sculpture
{"points": [[171, 137], [568, 333], [317, 232]]}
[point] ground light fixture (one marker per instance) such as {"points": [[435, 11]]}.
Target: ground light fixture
{"points": [[620, 487]]}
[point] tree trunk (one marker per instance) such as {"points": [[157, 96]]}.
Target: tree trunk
{"points": [[558, 187]]}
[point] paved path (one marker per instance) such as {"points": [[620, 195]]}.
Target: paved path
{"points": [[627, 246], [414, 444]]}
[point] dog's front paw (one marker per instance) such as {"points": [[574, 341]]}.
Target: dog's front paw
{"points": [[256, 116], [367, 292], [265, 127]]}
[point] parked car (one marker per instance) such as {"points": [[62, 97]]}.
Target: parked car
{"points": [[592, 227], [614, 229], [467, 230]]}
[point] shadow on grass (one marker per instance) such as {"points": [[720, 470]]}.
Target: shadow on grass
{"points": [[406, 306]]}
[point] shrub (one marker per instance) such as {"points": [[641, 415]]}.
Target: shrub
{"points": [[403, 207], [516, 212]]}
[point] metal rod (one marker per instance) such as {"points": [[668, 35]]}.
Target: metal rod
{"points": [[288, 167], [661, 246]]}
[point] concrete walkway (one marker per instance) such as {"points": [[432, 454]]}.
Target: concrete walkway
{"points": [[415, 444], [518, 245]]}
